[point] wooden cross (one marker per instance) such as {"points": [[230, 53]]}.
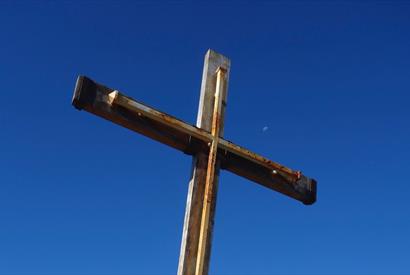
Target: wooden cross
{"points": [[209, 150]]}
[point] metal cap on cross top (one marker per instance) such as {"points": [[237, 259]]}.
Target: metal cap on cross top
{"points": [[205, 142]]}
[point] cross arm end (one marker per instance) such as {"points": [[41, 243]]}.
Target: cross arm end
{"points": [[84, 93], [307, 186]]}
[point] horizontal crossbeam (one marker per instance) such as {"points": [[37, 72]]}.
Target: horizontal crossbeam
{"points": [[118, 108]]}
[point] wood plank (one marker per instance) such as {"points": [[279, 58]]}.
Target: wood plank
{"points": [[125, 111]]}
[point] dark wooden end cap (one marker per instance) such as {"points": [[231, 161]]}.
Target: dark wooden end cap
{"points": [[312, 194], [84, 93]]}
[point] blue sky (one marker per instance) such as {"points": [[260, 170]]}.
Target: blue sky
{"points": [[80, 195]]}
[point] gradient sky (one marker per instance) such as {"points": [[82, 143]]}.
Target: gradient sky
{"points": [[331, 81]]}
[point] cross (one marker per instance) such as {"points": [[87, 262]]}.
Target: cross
{"points": [[210, 153]]}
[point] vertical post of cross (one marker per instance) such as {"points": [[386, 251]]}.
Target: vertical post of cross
{"points": [[196, 193]]}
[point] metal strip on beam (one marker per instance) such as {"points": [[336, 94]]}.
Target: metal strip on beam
{"points": [[116, 99], [210, 172]]}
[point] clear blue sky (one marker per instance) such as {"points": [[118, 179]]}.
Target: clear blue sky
{"points": [[80, 195]]}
